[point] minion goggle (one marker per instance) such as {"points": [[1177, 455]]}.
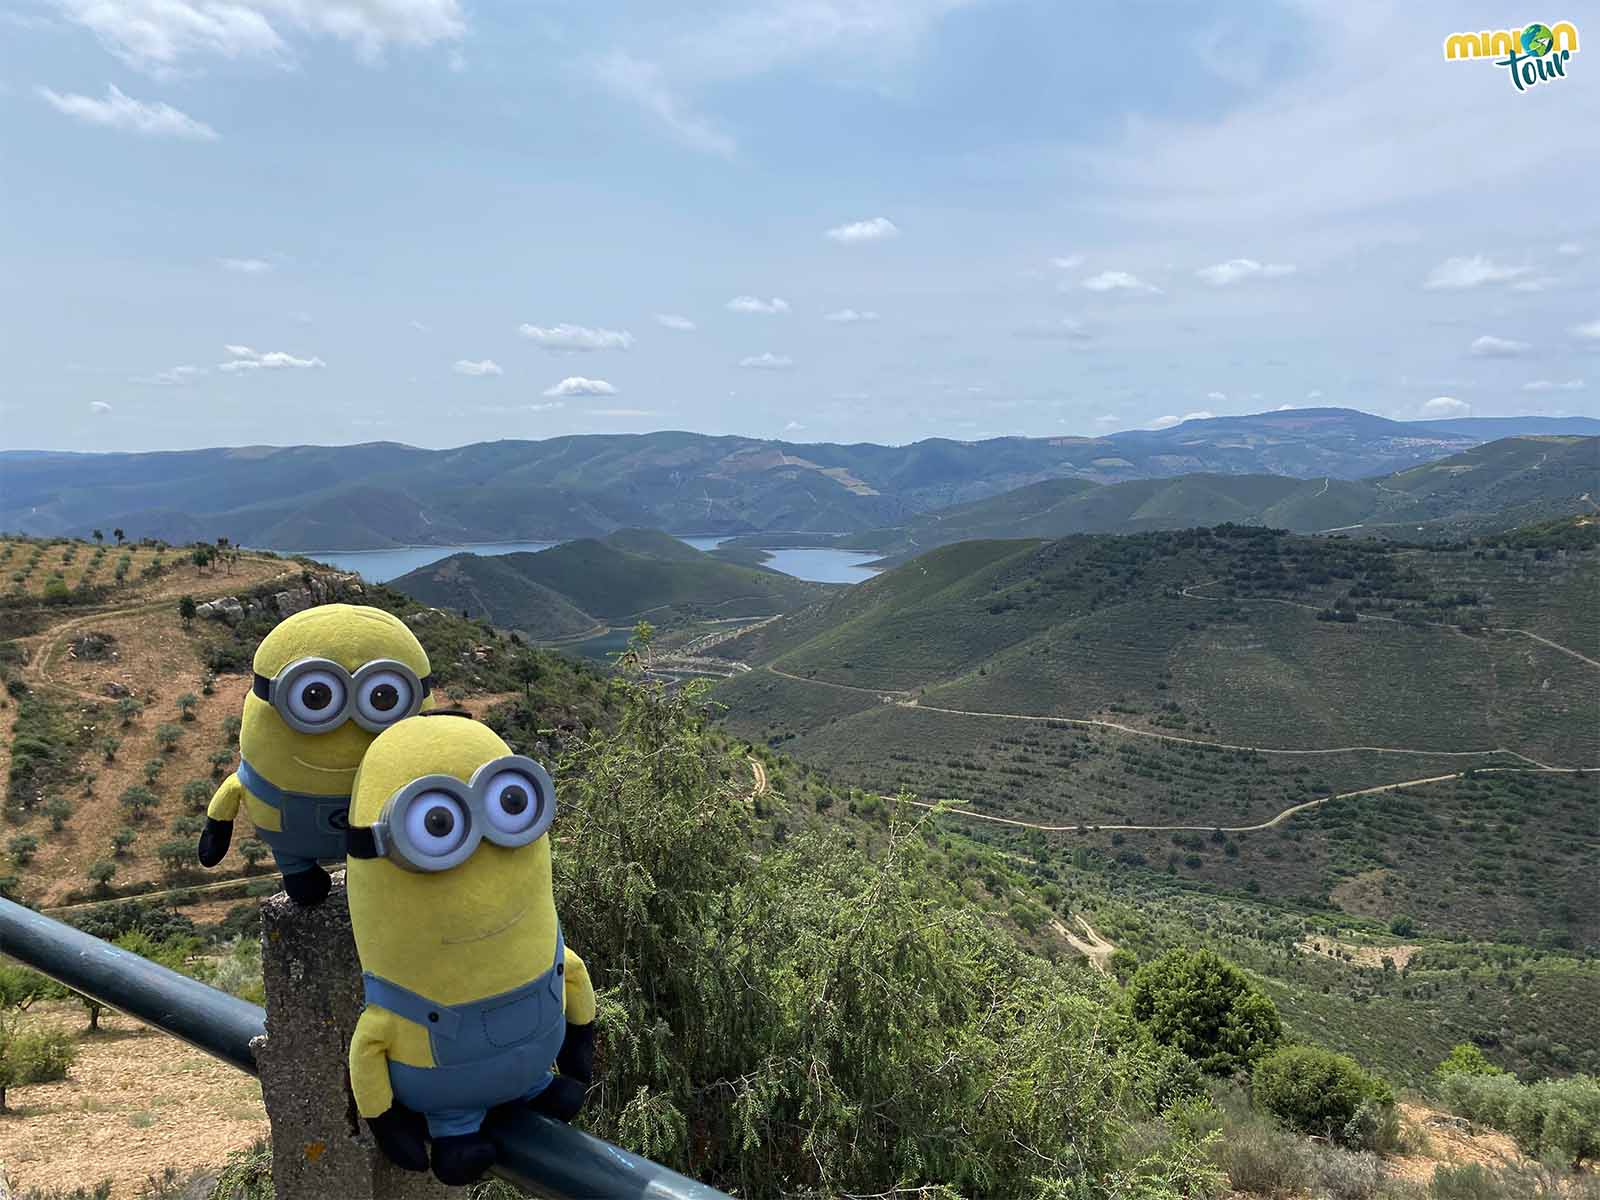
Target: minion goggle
{"points": [[436, 822], [316, 695]]}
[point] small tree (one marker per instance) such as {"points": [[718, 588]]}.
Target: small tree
{"points": [[187, 609], [122, 839], [1317, 1092], [153, 768], [186, 705], [99, 537], [175, 856], [168, 737], [139, 800], [1206, 1008], [254, 851], [196, 795], [1465, 1059], [22, 848], [38, 1056], [230, 728], [101, 873], [119, 535], [59, 811], [128, 708], [221, 763], [109, 745], [189, 824]]}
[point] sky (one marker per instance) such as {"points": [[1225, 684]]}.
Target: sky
{"points": [[229, 222]]}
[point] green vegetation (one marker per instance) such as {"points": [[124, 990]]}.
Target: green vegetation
{"points": [[1318, 1092], [578, 587], [1549, 1118], [1204, 1008]]}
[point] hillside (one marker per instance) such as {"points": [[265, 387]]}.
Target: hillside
{"points": [[383, 494], [98, 685], [1506, 483], [1202, 680], [584, 585]]}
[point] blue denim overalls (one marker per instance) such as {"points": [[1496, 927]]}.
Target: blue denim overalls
{"points": [[313, 826], [485, 1052]]}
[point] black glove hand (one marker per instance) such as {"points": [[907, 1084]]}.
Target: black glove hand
{"points": [[400, 1134], [214, 839], [576, 1059]]}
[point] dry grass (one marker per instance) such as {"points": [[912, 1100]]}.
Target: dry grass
{"points": [[136, 1101], [1361, 955]]}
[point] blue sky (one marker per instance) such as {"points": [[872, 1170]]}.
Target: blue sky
{"points": [[435, 221]]}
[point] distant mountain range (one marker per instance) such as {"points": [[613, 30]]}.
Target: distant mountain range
{"points": [[1510, 482], [386, 494], [587, 585]]}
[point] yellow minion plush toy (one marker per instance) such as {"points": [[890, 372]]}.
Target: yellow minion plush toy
{"points": [[327, 681], [472, 994]]}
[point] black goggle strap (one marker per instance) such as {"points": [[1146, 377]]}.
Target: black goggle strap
{"points": [[262, 687], [359, 842]]}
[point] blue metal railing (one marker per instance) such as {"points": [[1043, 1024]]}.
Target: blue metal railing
{"points": [[543, 1157]]}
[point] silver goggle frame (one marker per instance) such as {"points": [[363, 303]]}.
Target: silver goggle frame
{"points": [[390, 836], [278, 692]]}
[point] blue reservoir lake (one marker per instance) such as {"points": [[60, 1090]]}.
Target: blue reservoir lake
{"points": [[818, 564]]}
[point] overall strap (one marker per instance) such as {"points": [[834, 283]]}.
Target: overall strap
{"points": [[269, 793]]}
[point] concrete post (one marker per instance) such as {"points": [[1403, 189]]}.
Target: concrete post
{"points": [[320, 1148]]}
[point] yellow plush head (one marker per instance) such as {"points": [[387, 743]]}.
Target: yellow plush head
{"points": [[474, 930], [350, 635]]}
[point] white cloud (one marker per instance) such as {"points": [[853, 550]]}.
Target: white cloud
{"points": [[644, 84], [1540, 283], [1314, 394], [1589, 331], [1454, 274], [1067, 262], [1237, 270], [120, 111], [245, 359], [1108, 420], [1065, 330], [673, 321], [577, 385], [245, 266], [754, 304], [874, 229], [420, 327], [1445, 406], [1169, 421], [546, 407], [478, 369], [1216, 397], [576, 338], [1118, 281], [793, 427], [157, 35], [1489, 346], [623, 412], [173, 376], [1546, 385], [767, 362], [99, 406], [1569, 249], [849, 316]]}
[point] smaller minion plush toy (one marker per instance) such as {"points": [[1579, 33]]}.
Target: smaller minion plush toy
{"points": [[327, 681], [472, 994]]}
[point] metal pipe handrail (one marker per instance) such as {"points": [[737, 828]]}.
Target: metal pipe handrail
{"points": [[543, 1157]]}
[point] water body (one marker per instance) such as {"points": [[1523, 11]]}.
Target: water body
{"points": [[821, 565]]}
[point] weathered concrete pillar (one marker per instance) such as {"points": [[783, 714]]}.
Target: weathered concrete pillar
{"points": [[320, 1149]]}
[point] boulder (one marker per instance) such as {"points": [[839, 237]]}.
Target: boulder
{"points": [[293, 601]]}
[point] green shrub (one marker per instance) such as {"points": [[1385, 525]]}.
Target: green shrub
{"points": [[1466, 1059], [1318, 1092], [196, 795], [1264, 1161], [1205, 1008], [22, 848], [1345, 1174]]}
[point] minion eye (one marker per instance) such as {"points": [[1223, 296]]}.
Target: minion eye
{"points": [[512, 802], [436, 824], [384, 697], [317, 698]]}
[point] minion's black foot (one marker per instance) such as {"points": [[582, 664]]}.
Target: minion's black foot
{"points": [[561, 1100], [308, 887], [462, 1159]]}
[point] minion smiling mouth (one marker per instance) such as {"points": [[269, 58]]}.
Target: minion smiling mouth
{"points": [[310, 766], [480, 937]]}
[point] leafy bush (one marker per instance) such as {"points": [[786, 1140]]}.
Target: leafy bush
{"points": [[1205, 1008], [1465, 1058], [31, 1056], [1556, 1117], [1318, 1092]]}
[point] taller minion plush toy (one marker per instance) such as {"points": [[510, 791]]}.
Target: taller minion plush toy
{"points": [[327, 681], [472, 995]]}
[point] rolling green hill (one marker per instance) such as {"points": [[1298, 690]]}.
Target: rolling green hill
{"points": [[1206, 678], [1496, 486], [584, 585], [306, 498]]}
